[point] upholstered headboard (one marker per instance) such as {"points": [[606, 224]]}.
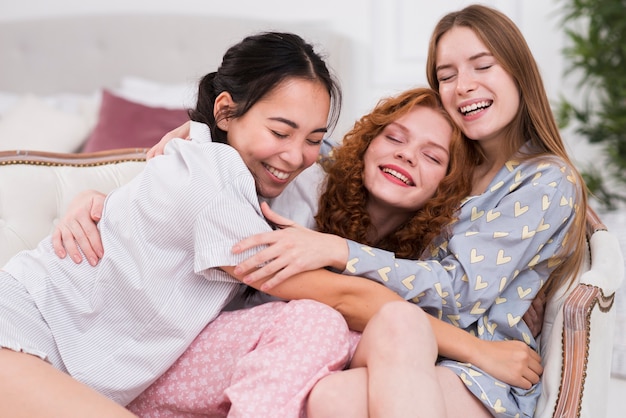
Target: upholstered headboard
{"points": [[82, 53], [58, 59]]}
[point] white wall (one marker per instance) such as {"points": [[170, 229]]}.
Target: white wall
{"points": [[389, 37]]}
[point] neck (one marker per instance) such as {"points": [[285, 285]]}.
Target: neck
{"points": [[384, 222], [487, 170]]}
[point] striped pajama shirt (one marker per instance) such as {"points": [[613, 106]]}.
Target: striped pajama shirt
{"points": [[120, 325]]}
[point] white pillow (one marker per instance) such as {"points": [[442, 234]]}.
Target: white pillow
{"points": [[155, 94], [7, 100], [33, 124], [73, 102]]}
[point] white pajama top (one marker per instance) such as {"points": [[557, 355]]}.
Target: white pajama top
{"points": [[484, 276], [120, 325]]}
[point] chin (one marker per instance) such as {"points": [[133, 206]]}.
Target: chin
{"points": [[270, 194]]}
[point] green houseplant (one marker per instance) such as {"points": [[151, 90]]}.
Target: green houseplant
{"points": [[596, 53]]}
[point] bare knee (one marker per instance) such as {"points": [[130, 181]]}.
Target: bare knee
{"points": [[342, 394], [321, 397], [400, 323]]}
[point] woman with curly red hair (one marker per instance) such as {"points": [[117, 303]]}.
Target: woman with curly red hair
{"points": [[344, 208]]}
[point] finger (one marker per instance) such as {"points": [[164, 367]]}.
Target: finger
{"points": [[57, 243], [535, 357], [260, 259], [91, 245], [92, 239], [81, 238], [264, 238], [277, 279], [532, 377], [97, 206], [154, 152], [67, 236], [536, 367], [274, 217], [269, 269], [260, 275], [524, 383]]}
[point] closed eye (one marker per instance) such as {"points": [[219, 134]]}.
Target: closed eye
{"points": [[445, 78], [434, 159], [392, 138], [279, 135]]}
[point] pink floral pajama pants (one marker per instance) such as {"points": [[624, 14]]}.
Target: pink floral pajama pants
{"points": [[257, 362]]}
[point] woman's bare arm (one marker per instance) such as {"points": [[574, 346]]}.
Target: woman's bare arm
{"points": [[355, 298], [358, 299]]}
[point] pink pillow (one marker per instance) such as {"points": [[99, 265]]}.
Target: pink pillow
{"points": [[125, 124]]}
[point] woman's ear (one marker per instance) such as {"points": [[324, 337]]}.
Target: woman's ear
{"points": [[223, 105]]}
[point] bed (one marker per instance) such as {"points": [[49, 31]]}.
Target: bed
{"points": [[63, 80]]}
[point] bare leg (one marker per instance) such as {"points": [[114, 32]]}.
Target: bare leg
{"points": [[342, 394], [395, 374], [30, 387], [392, 370], [460, 402], [399, 350]]}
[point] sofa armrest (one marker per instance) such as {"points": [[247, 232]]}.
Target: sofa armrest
{"points": [[576, 342], [577, 349]]}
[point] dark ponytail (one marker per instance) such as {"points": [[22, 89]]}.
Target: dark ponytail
{"points": [[253, 68]]}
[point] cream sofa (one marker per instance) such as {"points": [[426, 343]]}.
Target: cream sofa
{"points": [[576, 340]]}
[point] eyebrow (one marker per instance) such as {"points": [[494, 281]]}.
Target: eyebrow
{"points": [[296, 126], [480, 55], [472, 58], [428, 142], [441, 147]]}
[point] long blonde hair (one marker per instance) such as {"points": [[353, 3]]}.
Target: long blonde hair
{"points": [[534, 121]]}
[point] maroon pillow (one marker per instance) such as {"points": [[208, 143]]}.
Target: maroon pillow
{"points": [[126, 124]]}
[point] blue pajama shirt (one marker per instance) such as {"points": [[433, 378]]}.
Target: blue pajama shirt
{"points": [[483, 276]]}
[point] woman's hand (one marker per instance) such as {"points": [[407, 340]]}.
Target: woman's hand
{"points": [[535, 313], [181, 132], [512, 362], [79, 226], [291, 249]]}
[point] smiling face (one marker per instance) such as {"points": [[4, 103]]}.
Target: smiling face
{"points": [[281, 134], [480, 95], [404, 164]]}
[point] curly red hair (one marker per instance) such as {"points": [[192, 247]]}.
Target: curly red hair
{"points": [[342, 205]]}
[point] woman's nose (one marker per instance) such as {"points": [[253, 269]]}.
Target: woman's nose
{"points": [[465, 82], [294, 155], [406, 155]]}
